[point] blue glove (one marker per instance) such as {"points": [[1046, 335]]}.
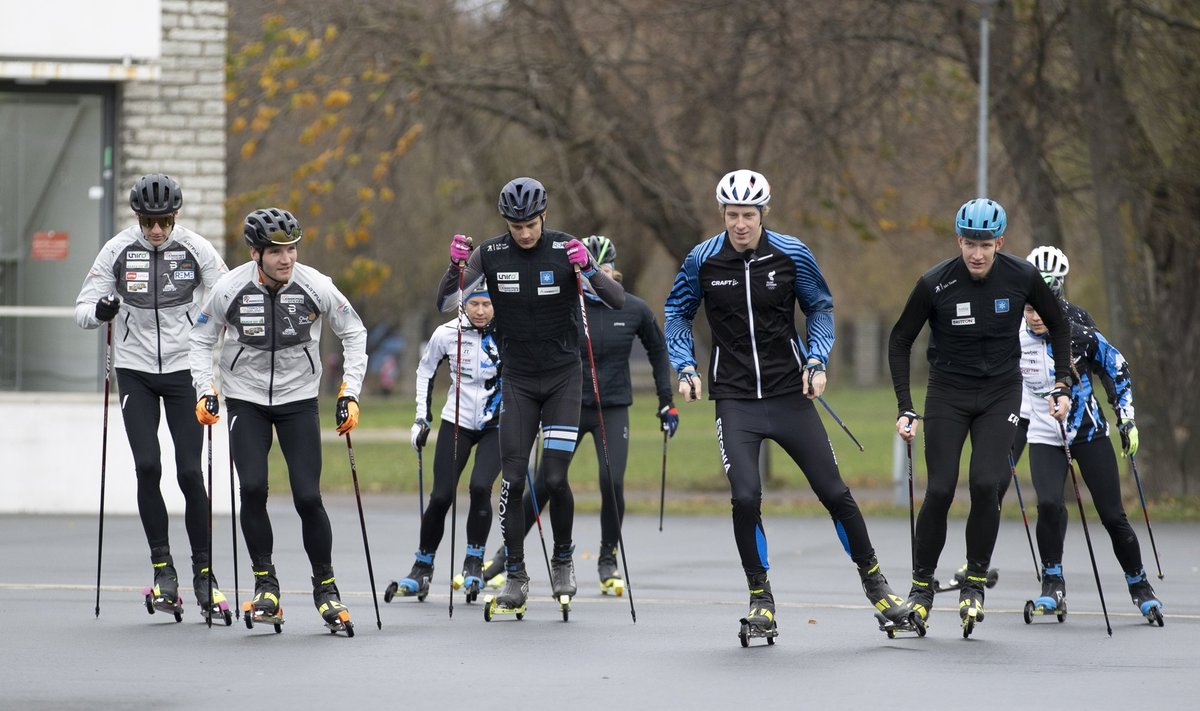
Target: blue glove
{"points": [[669, 417]]}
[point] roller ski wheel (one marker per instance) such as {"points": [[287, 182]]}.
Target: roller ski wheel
{"points": [[1155, 616], [993, 576], [471, 586], [158, 603], [341, 623], [970, 610], [911, 623], [252, 617], [408, 587], [564, 604], [1034, 609], [1144, 598], [220, 610], [751, 630], [470, 580], [492, 608], [612, 586]]}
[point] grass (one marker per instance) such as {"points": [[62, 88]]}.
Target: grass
{"points": [[696, 482]]}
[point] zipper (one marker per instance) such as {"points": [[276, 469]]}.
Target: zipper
{"points": [[716, 362], [157, 324], [274, 329], [753, 340]]}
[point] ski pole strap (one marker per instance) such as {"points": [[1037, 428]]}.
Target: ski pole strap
{"points": [[910, 416]]}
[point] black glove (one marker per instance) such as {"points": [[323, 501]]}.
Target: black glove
{"points": [[910, 416], [669, 417], [419, 433], [346, 416], [107, 308]]}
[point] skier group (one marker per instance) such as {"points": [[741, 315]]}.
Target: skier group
{"points": [[538, 354]]}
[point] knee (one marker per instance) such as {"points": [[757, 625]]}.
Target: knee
{"points": [[1049, 510], [746, 502], [480, 493], [985, 494], [307, 503], [555, 474], [254, 496], [148, 470]]}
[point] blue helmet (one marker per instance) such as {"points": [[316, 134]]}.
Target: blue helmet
{"points": [[522, 199], [980, 218]]}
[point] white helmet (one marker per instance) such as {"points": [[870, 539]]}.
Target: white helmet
{"points": [[1050, 261], [743, 187]]}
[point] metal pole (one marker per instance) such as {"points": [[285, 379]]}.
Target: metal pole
{"points": [[981, 182]]}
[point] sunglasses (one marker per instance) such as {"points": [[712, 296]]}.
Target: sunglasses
{"points": [[149, 221]]}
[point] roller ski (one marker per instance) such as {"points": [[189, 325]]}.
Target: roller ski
{"points": [[264, 608], [493, 570], [760, 620], [416, 584], [970, 601], [1053, 600], [329, 603], [512, 597], [960, 575], [890, 610], [470, 580], [218, 606], [163, 596], [611, 582], [1144, 598], [562, 578], [918, 605]]}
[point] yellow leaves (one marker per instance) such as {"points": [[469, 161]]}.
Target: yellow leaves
{"points": [[269, 84], [248, 148], [337, 98], [323, 123], [331, 32], [262, 119], [405, 141], [345, 135], [386, 194], [887, 225], [353, 159], [365, 276], [290, 84], [366, 194], [312, 50], [253, 49], [304, 100], [380, 171], [238, 125]]}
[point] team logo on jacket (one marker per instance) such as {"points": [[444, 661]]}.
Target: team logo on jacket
{"points": [[508, 276], [137, 254], [1001, 306], [962, 309], [724, 282], [771, 279], [252, 298], [545, 278]]}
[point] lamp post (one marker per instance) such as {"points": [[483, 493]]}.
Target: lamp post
{"points": [[985, 11]]}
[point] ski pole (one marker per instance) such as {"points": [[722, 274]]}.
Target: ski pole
{"points": [[537, 512], [233, 521], [103, 456], [462, 313], [1087, 536], [1146, 513], [210, 547], [587, 336], [912, 516], [1012, 466], [420, 482], [829, 409], [662, 492], [362, 522]]}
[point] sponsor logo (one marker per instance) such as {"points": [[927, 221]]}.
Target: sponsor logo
{"points": [[937, 289], [291, 298], [185, 274], [137, 288], [496, 247], [618, 323], [509, 288], [724, 282], [202, 318], [1012, 418], [175, 254], [137, 276], [139, 264], [963, 321], [252, 298], [963, 309], [508, 276], [558, 245], [547, 290], [249, 320], [1001, 306], [252, 331], [137, 254], [771, 279], [253, 309], [291, 308], [303, 319], [289, 329], [546, 277]]}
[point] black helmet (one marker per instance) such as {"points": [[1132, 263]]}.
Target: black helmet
{"points": [[271, 227], [156, 194], [522, 199], [602, 248]]}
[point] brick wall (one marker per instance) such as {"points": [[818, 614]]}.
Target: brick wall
{"points": [[176, 125]]}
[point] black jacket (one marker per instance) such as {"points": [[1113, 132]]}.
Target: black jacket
{"points": [[612, 332]]}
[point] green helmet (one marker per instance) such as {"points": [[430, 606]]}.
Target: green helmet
{"points": [[602, 248]]}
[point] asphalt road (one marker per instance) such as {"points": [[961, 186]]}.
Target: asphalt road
{"points": [[682, 652]]}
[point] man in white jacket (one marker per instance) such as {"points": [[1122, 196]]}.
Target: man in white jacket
{"points": [[148, 283], [270, 310]]}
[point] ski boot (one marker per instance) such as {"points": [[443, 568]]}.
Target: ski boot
{"points": [[329, 603], [960, 575], [562, 577], [164, 595], [264, 608], [970, 601], [470, 580], [760, 621], [920, 598], [1144, 598], [216, 605], [417, 582], [890, 611], [610, 577], [1054, 596], [493, 570], [512, 597]]}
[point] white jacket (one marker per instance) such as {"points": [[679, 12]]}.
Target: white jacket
{"points": [[272, 350], [479, 400], [161, 291]]}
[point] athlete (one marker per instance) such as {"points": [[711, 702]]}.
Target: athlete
{"points": [[1086, 433], [151, 278], [613, 332], [271, 310], [476, 399], [764, 378], [532, 274], [973, 304]]}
